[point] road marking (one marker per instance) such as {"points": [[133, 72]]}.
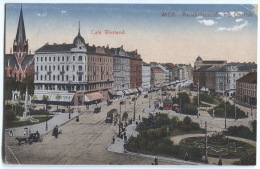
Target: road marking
{"points": [[13, 154]]}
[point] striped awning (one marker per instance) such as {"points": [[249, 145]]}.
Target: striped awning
{"points": [[93, 96]]}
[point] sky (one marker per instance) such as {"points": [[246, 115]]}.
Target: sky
{"points": [[224, 32]]}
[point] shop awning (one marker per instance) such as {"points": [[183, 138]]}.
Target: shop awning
{"points": [[52, 97], [112, 91], [140, 89], [126, 91], [93, 96], [134, 90], [119, 93]]}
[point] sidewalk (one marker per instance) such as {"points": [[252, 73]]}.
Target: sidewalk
{"points": [[118, 147], [58, 119]]}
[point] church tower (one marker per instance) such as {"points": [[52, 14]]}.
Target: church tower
{"points": [[20, 45]]}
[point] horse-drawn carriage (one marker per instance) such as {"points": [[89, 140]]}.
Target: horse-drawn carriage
{"points": [[97, 109], [33, 137]]}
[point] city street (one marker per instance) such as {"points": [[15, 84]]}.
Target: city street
{"points": [[82, 142], [86, 141]]}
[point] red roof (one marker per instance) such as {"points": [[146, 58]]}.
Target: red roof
{"points": [[171, 64], [249, 78], [156, 69]]}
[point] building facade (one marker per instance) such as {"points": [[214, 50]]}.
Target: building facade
{"points": [[146, 77], [157, 76], [121, 69], [19, 63], [246, 89], [135, 69], [79, 73]]}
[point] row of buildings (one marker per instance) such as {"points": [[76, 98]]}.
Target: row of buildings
{"points": [[225, 78], [81, 73]]}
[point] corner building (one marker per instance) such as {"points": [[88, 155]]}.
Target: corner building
{"points": [[80, 73]]}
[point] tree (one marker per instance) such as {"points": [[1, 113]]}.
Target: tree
{"points": [[189, 109], [58, 97]]}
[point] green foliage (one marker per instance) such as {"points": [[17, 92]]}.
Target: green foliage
{"points": [[183, 99], [230, 111], [249, 159], [10, 115], [188, 125], [189, 109], [241, 131], [254, 127], [11, 84]]}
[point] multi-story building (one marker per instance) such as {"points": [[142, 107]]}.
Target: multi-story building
{"points": [[20, 63], [146, 77], [157, 76], [135, 70], [166, 72], [200, 63], [199, 76], [121, 69], [246, 89], [78, 72]]}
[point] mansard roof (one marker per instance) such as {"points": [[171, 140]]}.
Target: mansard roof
{"points": [[214, 62], [55, 48], [249, 78]]}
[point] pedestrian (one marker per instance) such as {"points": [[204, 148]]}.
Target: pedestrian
{"points": [[186, 156], [156, 161], [11, 133], [113, 139], [220, 161]]}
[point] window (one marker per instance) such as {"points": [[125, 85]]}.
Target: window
{"points": [[80, 68], [67, 68], [49, 59], [62, 58], [62, 78], [36, 68], [67, 58], [41, 77], [41, 59], [49, 68], [41, 67], [37, 59], [45, 77], [53, 67], [73, 78], [73, 58], [53, 78], [58, 58], [54, 59], [45, 67], [67, 78], [45, 59], [58, 78], [73, 68], [80, 58], [58, 67]]}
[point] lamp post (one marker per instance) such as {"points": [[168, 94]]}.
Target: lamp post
{"points": [[45, 100], [69, 112], [134, 107]]}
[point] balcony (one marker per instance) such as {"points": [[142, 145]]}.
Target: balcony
{"points": [[62, 72], [80, 73]]}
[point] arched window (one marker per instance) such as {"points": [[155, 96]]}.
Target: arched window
{"points": [[73, 78], [58, 78], [41, 77], [53, 78], [73, 58]]}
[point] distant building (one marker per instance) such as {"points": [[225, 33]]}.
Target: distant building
{"points": [[146, 77], [246, 88], [157, 76], [200, 63], [20, 63]]}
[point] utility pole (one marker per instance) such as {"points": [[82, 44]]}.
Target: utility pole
{"points": [[235, 109], [69, 112], [198, 98], [225, 94], [206, 144], [134, 107]]}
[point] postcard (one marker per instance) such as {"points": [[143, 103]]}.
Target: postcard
{"points": [[130, 84]]}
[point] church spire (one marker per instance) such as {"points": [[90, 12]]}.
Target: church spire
{"points": [[79, 28], [20, 35]]}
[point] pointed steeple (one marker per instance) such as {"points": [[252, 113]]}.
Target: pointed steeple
{"points": [[20, 35], [79, 28]]}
